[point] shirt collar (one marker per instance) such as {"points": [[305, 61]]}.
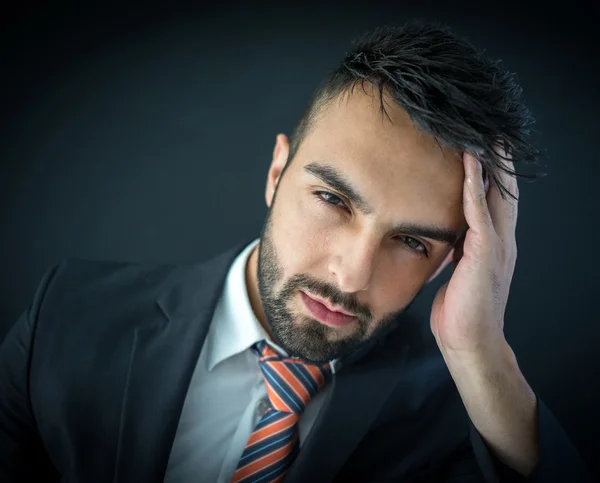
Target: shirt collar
{"points": [[234, 327]]}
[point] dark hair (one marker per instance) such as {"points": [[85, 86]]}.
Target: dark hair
{"points": [[443, 84]]}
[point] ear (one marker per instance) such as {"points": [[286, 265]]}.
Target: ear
{"points": [[280, 155], [443, 265]]}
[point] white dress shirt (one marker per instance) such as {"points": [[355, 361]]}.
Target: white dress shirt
{"points": [[227, 395]]}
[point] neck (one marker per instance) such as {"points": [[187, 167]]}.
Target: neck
{"points": [[252, 287]]}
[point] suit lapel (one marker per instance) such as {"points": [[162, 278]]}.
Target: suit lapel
{"points": [[163, 357], [162, 360], [347, 414]]}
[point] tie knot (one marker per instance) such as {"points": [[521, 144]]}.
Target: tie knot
{"points": [[291, 383]]}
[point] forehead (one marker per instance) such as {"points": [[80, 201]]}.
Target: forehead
{"points": [[393, 164]]}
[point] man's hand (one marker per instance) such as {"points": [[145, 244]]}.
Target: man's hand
{"points": [[467, 320], [468, 311]]}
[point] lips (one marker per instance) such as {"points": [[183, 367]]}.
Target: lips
{"points": [[325, 315]]}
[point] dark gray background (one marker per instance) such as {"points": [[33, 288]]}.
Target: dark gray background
{"points": [[144, 132]]}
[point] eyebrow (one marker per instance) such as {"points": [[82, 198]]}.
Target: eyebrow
{"points": [[336, 180]]}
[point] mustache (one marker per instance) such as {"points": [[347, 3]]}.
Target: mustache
{"points": [[328, 292]]}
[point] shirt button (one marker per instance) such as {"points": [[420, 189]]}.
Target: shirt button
{"points": [[263, 407]]}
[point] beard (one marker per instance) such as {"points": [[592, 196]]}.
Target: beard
{"points": [[302, 336]]}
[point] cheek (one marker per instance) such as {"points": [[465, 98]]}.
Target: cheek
{"points": [[396, 288], [304, 232], [311, 218], [299, 233]]}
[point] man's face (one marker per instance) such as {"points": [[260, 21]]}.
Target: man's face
{"points": [[357, 224]]}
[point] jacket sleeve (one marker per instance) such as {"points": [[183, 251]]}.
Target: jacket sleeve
{"points": [[22, 454], [559, 460]]}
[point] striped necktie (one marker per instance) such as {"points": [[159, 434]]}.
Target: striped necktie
{"points": [[274, 444]]}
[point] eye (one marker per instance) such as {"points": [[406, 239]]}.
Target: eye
{"points": [[329, 198], [414, 244]]}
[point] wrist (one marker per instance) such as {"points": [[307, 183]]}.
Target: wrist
{"points": [[496, 352], [500, 402]]}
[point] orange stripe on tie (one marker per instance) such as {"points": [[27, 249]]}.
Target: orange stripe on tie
{"points": [[261, 463], [271, 429], [276, 401], [316, 374], [293, 382], [278, 438]]}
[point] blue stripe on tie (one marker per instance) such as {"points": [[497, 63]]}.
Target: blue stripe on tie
{"points": [[270, 472], [260, 348], [281, 388], [288, 436], [268, 445], [269, 423], [271, 436], [274, 470], [282, 391], [304, 377], [274, 473], [270, 417]]}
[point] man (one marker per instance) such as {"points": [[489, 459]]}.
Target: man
{"points": [[292, 356]]}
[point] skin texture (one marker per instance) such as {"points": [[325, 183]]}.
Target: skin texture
{"points": [[346, 256], [351, 256]]}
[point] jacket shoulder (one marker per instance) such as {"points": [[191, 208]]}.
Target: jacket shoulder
{"points": [[106, 298], [83, 293], [82, 282]]}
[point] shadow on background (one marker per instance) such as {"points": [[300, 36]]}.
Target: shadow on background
{"points": [[144, 132]]}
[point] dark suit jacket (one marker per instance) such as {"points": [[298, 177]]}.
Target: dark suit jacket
{"points": [[94, 374]]}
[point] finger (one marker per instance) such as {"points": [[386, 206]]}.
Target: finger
{"points": [[474, 197], [504, 211]]}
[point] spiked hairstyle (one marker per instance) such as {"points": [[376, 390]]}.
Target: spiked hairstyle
{"points": [[446, 87]]}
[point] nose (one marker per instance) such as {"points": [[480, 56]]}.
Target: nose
{"points": [[353, 263]]}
